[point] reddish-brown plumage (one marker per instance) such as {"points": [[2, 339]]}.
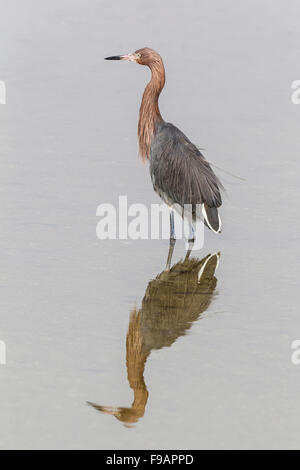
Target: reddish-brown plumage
{"points": [[149, 110]]}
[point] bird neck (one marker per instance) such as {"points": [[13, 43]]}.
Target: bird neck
{"points": [[149, 110]]}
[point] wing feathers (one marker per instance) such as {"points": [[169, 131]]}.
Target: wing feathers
{"points": [[180, 171]]}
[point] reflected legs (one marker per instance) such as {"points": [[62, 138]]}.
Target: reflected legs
{"points": [[172, 240]]}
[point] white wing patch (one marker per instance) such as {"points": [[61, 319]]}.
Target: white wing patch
{"points": [[208, 223]]}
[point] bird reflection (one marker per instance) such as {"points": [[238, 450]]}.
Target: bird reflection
{"points": [[172, 302]]}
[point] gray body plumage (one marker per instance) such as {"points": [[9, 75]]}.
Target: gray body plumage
{"points": [[181, 175]]}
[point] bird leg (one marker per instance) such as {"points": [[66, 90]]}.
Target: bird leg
{"points": [[191, 240], [170, 254], [172, 240], [191, 233], [188, 252], [172, 225]]}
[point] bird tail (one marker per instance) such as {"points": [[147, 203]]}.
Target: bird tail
{"points": [[211, 218]]}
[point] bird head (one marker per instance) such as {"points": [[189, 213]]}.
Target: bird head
{"points": [[144, 56]]}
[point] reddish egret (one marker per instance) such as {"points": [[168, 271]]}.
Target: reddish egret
{"points": [[179, 172]]}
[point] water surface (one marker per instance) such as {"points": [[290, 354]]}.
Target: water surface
{"points": [[216, 376]]}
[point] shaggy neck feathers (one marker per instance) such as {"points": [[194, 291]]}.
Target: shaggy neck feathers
{"points": [[149, 110]]}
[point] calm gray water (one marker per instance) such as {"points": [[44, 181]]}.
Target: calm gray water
{"points": [[221, 377]]}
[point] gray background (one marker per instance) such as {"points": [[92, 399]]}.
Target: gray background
{"points": [[68, 143]]}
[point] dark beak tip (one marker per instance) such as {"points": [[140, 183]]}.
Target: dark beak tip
{"points": [[113, 57]]}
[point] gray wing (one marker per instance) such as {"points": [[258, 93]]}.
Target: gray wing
{"points": [[179, 170]]}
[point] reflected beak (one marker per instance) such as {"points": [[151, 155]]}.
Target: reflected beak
{"points": [[108, 410], [131, 57]]}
